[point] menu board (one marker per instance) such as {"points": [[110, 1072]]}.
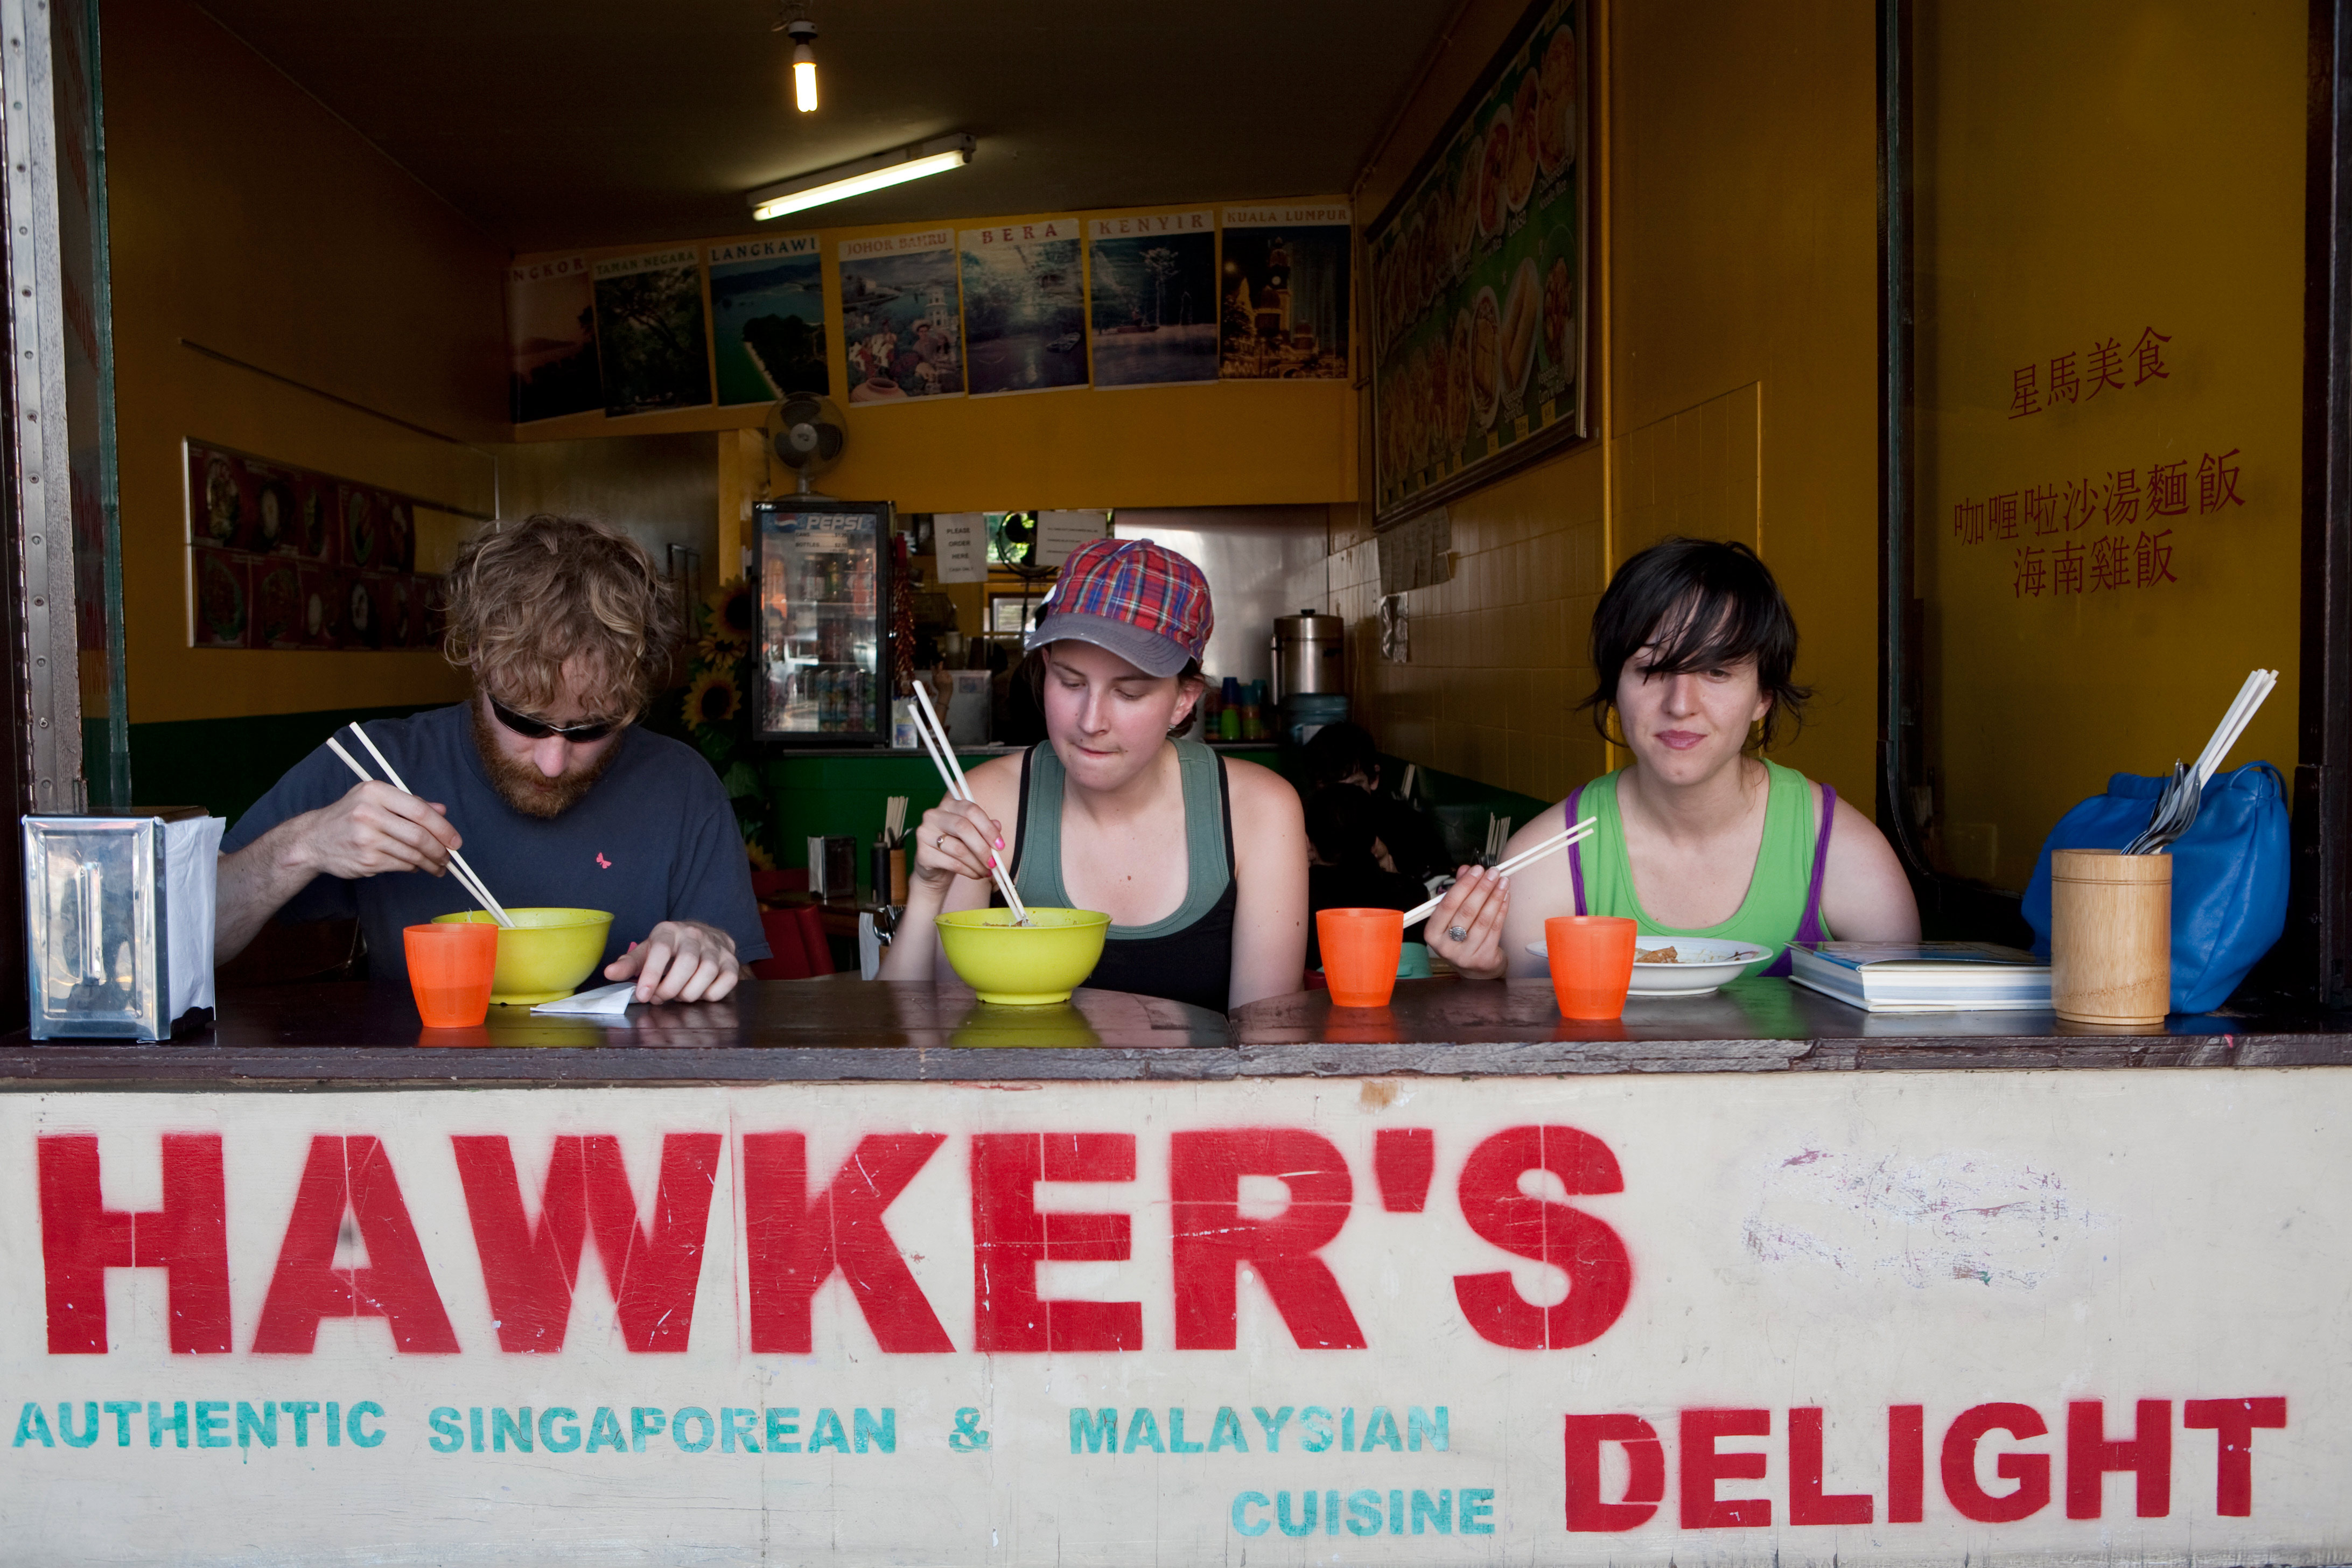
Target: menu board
{"points": [[1479, 279]]}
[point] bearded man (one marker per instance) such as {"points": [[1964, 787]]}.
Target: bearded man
{"points": [[539, 776]]}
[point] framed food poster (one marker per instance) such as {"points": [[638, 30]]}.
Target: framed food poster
{"points": [[1477, 288]]}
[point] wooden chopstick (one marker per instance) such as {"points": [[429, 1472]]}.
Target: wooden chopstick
{"points": [[1552, 846], [943, 758], [466, 876]]}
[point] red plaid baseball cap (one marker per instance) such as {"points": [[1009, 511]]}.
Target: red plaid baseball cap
{"points": [[1139, 600]]}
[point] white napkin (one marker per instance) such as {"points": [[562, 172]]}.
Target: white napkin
{"points": [[606, 1001], [190, 859]]}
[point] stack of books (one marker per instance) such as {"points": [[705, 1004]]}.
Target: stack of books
{"points": [[1923, 976]]}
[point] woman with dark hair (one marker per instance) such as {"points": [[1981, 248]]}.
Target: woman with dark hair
{"points": [[1701, 836]]}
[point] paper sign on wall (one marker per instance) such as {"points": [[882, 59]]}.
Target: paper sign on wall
{"points": [[1060, 532], [962, 540]]}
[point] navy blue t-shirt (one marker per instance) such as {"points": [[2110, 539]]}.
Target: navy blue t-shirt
{"points": [[653, 839]]}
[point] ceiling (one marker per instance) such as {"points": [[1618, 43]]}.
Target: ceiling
{"points": [[555, 123]]}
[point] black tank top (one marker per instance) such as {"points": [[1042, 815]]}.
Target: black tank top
{"points": [[1187, 956]]}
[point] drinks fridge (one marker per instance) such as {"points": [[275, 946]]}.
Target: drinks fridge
{"points": [[824, 617]]}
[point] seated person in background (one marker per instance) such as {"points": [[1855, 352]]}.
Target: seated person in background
{"points": [[1344, 754], [565, 628], [1348, 866], [1695, 652]]}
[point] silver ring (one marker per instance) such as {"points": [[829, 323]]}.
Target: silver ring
{"points": [[1458, 933], [944, 840]]}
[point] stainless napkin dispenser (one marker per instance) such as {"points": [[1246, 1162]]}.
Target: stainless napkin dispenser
{"points": [[119, 920]]}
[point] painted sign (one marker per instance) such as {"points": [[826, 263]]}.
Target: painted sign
{"points": [[1868, 1318]]}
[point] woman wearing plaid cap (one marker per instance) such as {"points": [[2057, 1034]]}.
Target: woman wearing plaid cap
{"points": [[1201, 862]]}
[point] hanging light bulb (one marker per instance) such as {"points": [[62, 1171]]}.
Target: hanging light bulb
{"points": [[803, 33]]}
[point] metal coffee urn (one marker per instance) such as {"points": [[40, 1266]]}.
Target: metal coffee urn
{"points": [[1307, 654]]}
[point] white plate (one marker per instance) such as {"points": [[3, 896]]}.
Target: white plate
{"points": [[1706, 964]]}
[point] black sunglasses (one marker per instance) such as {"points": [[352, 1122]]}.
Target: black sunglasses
{"points": [[532, 729]]}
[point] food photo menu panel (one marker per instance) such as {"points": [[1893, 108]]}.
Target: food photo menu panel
{"points": [[282, 557], [1477, 278]]}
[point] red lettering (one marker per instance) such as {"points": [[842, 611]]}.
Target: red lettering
{"points": [[1403, 1160], [1212, 1240], [1645, 1488], [2148, 1454], [1906, 1464], [1702, 1467], [2234, 1420], [796, 1243], [528, 1269], [1599, 1273], [81, 1238], [1808, 1504], [1011, 1239], [2029, 1471], [350, 1175]]}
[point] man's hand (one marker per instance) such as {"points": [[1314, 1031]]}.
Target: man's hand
{"points": [[680, 961], [374, 828]]}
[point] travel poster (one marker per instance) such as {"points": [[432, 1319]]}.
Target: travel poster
{"points": [[552, 339], [1478, 277], [1024, 310], [651, 338], [1151, 298], [1284, 310], [767, 318], [901, 329]]}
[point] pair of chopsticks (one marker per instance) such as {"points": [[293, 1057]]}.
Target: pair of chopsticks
{"points": [[2249, 701], [894, 822], [934, 736], [1552, 846], [465, 873]]}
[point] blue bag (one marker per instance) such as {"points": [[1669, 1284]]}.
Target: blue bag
{"points": [[2228, 874]]}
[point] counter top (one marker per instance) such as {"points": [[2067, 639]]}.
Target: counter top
{"points": [[841, 1029]]}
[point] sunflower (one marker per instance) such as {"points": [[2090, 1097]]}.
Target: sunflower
{"points": [[729, 617], [760, 858], [713, 699]]}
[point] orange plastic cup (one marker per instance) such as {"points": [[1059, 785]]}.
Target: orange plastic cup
{"points": [[1591, 963], [1361, 949], [449, 969]]}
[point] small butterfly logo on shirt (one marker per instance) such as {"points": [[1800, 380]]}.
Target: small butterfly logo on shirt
{"points": [[601, 861]]}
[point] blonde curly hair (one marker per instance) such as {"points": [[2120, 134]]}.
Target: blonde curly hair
{"points": [[527, 597]]}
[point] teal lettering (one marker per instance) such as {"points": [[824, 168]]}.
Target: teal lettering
{"points": [[604, 1431], [334, 1425], [66, 1427], [301, 1410], [1477, 1503], [644, 1422], [474, 1426], [737, 1424], [447, 1436], [32, 1424], [557, 1439], [780, 1428], [1363, 1513], [252, 1423], [1381, 1430], [1348, 1431], [1176, 1444], [1307, 1501], [1227, 1432], [677, 1428], [212, 1423], [1242, 1525], [1096, 1428], [825, 1432], [1418, 1425], [1396, 1513], [1440, 1512], [1273, 1423], [505, 1428], [883, 1432], [1142, 1429], [1316, 1422], [177, 1425], [123, 1410], [1331, 1513], [362, 1438]]}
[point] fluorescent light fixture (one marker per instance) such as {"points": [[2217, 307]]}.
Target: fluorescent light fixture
{"points": [[856, 178], [804, 34]]}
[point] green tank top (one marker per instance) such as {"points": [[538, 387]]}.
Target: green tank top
{"points": [[1768, 916]]}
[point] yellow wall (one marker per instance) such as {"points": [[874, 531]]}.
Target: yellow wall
{"points": [[248, 219], [1735, 307], [2087, 171]]}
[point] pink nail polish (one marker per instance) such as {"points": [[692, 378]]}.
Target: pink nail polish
{"points": [[1000, 843]]}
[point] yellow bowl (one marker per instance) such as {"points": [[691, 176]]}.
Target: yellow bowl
{"points": [[545, 954], [1034, 966]]}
